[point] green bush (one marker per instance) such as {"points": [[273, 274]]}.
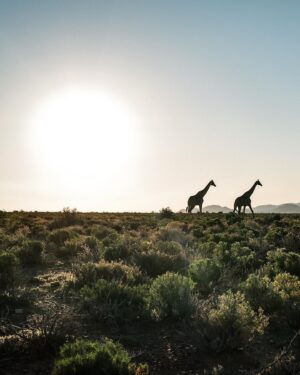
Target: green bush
{"points": [[8, 264], [171, 296], [236, 257], [122, 249], [101, 232], [232, 323], [84, 357], [112, 301], [31, 253], [155, 263], [260, 292], [283, 261], [288, 288], [205, 273], [59, 236], [166, 213], [89, 273], [69, 249], [66, 218], [173, 231]]}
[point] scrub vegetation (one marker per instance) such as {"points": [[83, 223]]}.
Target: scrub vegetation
{"points": [[158, 293]]}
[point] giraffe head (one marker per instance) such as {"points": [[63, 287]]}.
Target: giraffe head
{"points": [[258, 183], [212, 183]]}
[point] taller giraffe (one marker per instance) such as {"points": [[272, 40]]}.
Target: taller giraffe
{"points": [[197, 199], [244, 200]]}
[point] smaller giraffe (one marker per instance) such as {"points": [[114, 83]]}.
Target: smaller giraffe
{"points": [[244, 200], [197, 199]]}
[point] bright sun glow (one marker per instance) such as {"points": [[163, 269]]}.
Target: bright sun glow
{"points": [[83, 137]]}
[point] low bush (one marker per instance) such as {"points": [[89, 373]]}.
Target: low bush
{"points": [[283, 261], [260, 292], [205, 273], [155, 263], [122, 249], [8, 264], [59, 236], [170, 296], [288, 288], [231, 323], [69, 249], [89, 273], [66, 218], [30, 253], [113, 301], [173, 231], [166, 213], [84, 357]]}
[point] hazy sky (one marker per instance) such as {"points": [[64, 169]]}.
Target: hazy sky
{"points": [[211, 87]]}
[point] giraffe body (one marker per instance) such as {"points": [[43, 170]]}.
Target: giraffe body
{"points": [[197, 199], [244, 200]]}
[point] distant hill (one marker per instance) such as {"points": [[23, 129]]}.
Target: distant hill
{"points": [[286, 208], [265, 208], [216, 208]]}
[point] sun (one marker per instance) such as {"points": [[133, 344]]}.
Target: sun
{"points": [[82, 137]]}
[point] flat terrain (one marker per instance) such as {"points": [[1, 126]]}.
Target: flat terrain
{"points": [[183, 293]]}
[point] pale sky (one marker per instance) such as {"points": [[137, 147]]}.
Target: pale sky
{"points": [[136, 105]]}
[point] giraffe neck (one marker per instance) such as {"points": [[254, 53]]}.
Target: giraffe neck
{"points": [[250, 192], [205, 190]]}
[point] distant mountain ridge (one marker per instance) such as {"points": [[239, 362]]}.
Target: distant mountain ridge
{"points": [[285, 208]]}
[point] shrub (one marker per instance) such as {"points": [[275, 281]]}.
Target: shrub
{"points": [[205, 273], [66, 218], [124, 248], [283, 261], [170, 296], [101, 232], [166, 213], [237, 257], [288, 288], [94, 358], [90, 273], [232, 322], [59, 236], [173, 231], [8, 263], [260, 292], [155, 263], [112, 301], [31, 253], [69, 248]]}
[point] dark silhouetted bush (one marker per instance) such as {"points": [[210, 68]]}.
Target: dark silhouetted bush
{"points": [[8, 264], [84, 357], [31, 252], [166, 213], [113, 301]]}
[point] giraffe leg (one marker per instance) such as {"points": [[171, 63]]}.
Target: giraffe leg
{"points": [[200, 208], [239, 209], [244, 208], [191, 208], [251, 209]]}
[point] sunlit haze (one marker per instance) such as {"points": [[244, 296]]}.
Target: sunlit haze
{"points": [[136, 105]]}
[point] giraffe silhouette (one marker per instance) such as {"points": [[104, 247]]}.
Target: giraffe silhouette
{"points": [[244, 200], [197, 199]]}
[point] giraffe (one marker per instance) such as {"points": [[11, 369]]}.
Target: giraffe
{"points": [[197, 199], [244, 200]]}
